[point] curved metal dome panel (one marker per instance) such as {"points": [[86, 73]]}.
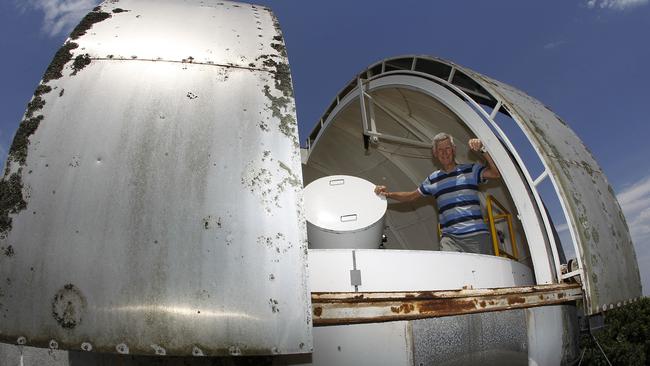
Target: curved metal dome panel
{"points": [[154, 206], [602, 236]]}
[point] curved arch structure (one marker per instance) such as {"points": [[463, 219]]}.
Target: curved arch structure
{"points": [[607, 262]]}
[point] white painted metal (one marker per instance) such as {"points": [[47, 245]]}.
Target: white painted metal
{"points": [[541, 178], [363, 344], [495, 110], [164, 199], [343, 211], [451, 75], [343, 203], [545, 330], [413, 270]]}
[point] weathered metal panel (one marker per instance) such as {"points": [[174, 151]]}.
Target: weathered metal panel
{"points": [[154, 206], [476, 339], [553, 334], [605, 247]]}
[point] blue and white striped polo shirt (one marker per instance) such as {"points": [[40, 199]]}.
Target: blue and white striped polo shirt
{"points": [[456, 193]]}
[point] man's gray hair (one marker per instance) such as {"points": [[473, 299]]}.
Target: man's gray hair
{"points": [[441, 137]]}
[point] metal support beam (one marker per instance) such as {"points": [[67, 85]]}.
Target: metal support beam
{"points": [[362, 105], [541, 178], [496, 109], [451, 75], [402, 140], [412, 128], [339, 308]]}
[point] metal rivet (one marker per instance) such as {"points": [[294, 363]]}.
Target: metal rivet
{"points": [[122, 348], [159, 350], [86, 346], [21, 341], [196, 351], [54, 344]]}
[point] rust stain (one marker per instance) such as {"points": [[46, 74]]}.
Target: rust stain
{"points": [[403, 308], [318, 311], [394, 306], [516, 300], [425, 295], [69, 306], [449, 306]]}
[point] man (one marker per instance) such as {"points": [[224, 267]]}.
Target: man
{"points": [[455, 188]]}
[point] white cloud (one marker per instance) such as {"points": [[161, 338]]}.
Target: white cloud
{"points": [[552, 45], [635, 202], [59, 16], [615, 4]]}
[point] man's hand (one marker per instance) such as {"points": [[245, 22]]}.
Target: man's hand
{"points": [[475, 145], [381, 190], [491, 171], [398, 196]]}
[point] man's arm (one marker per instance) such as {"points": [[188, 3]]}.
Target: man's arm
{"points": [[491, 171], [398, 196]]}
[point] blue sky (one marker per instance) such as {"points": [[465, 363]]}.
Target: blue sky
{"points": [[586, 59]]}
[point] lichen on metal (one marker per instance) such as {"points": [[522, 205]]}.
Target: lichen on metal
{"points": [[131, 210], [603, 239]]}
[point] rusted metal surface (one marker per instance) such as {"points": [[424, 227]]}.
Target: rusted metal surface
{"points": [[601, 234], [157, 209], [372, 307]]}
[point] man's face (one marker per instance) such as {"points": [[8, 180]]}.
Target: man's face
{"points": [[445, 152]]}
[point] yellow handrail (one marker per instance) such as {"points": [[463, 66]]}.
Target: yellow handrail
{"points": [[492, 219]]}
